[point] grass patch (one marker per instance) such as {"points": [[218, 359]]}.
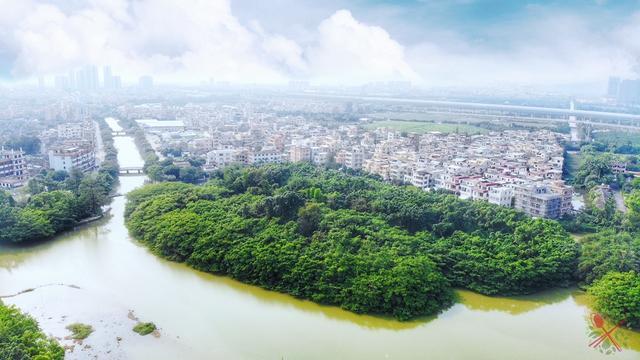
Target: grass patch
{"points": [[80, 331], [423, 127], [421, 116], [145, 328], [617, 138]]}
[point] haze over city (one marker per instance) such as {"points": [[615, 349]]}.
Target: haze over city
{"points": [[549, 45], [319, 180]]}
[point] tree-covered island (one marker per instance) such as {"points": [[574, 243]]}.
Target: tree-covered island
{"points": [[350, 240]]}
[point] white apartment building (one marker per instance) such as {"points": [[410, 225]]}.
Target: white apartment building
{"points": [[66, 158], [354, 158], [12, 168], [421, 178], [320, 156], [83, 130], [221, 157], [265, 156], [501, 195]]}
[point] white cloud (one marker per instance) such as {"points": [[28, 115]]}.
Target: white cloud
{"points": [[553, 49], [191, 41], [349, 49], [194, 40]]}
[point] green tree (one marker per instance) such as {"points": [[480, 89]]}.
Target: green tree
{"points": [[21, 338], [60, 208], [309, 218], [6, 199], [595, 169], [92, 194], [190, 174], [608, 251], [29, 144], [617, 296], [349, 239]]}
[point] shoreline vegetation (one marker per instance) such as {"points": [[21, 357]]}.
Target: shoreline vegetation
{"points": [[22, 338], [371, 247], [167, 169], [348, 240], [60, 200]]}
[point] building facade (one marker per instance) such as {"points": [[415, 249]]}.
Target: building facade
{"points": [[67, 158], [12, 168]]}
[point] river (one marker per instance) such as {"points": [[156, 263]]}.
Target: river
{"points": [[106, 274]]}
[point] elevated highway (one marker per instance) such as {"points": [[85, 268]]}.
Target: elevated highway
{"points": [[509, 112]]}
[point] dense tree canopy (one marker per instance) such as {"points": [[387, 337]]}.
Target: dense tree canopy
{"points": [[54, 207], [351, 241], [29, 144], [617, 296], [21, 338], [606, 252], [58, 200], [595, 169]]}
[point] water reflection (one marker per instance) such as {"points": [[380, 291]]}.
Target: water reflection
{"points": [[629, 339], [287, 301], [203, 316], [514, 305]]}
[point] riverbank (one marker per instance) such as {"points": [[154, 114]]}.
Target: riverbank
{"points": [[205, 316], [89, 220]]}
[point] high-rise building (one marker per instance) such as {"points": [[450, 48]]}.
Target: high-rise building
{"points": [[614, 85], [94, 81], [107, 78], [82, 81], [629, 91], [145, 82], [61, 82]]}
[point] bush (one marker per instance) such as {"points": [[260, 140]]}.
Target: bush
{"points": [[80, 331], [145, 328], [617, 296], [608, 251], [350, 240], [21, 338]]}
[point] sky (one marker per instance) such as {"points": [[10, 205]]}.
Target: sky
{"points": [[432, 43]]}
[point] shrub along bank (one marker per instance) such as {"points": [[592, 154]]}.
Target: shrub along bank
{"points": [[351, 241]]}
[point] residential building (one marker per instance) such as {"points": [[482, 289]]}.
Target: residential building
{"points": [[539, 201], [12, 168], [66, 158]]}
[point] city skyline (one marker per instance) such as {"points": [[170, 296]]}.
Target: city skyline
{"points": [[481, 43]]}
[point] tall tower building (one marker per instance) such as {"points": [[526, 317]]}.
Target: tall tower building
{"points": [[94, 82], [614, 86], [107, 78], [629, 91], [145, 82]]}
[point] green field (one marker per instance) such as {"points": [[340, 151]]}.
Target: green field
{"points": [[618, 138], [423, 127], [421, 116]]}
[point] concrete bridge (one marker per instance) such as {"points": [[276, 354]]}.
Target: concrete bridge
{"points": [[136, 170], [118, 133]]}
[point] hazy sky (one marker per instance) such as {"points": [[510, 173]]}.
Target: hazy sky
{"points": [[429, 42]]}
